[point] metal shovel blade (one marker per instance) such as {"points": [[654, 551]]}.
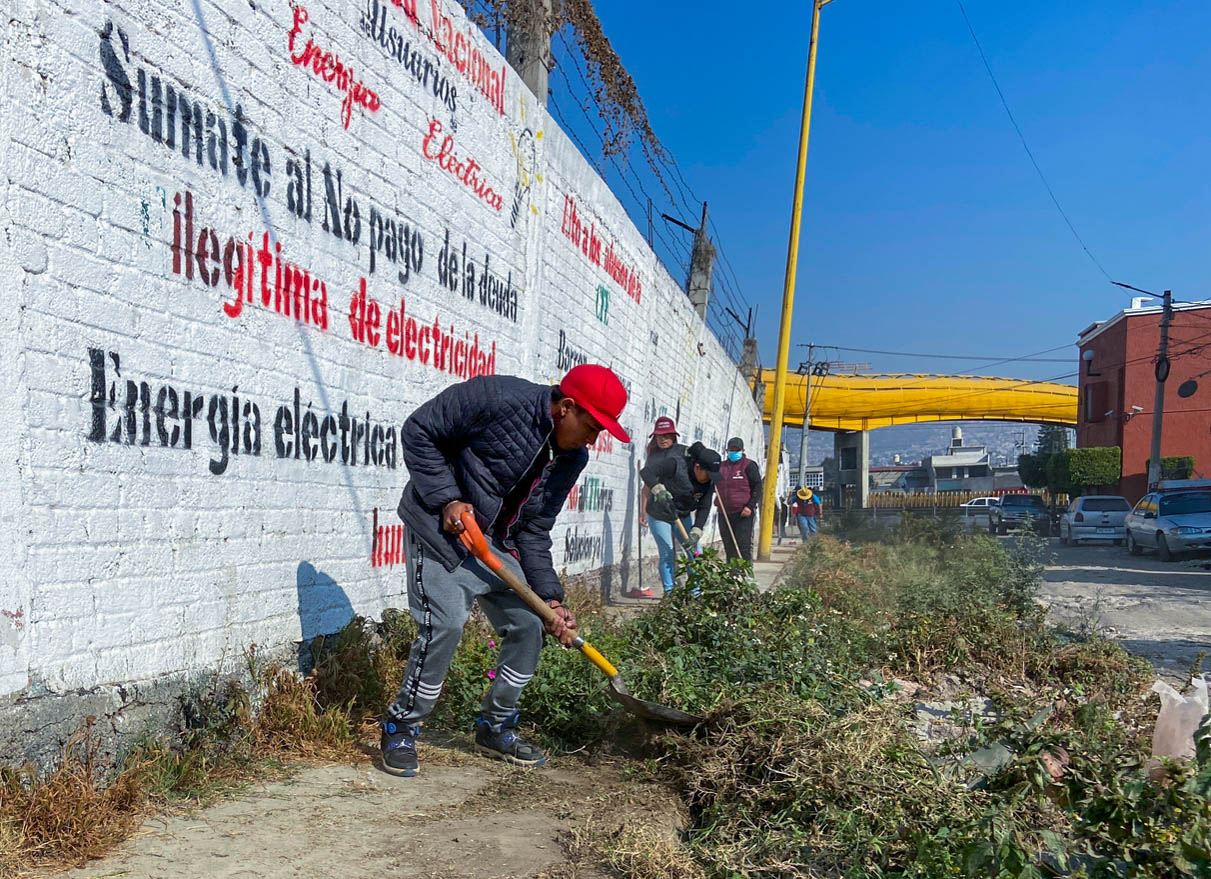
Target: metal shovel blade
{"points": [[650, 710]]}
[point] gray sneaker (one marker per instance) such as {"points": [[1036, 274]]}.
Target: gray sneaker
{"points": [[500, 741]]}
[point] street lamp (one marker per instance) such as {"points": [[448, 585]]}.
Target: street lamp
{"points": [[772, 452]]}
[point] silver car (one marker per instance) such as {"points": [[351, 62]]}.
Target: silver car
{"points": [[1095, 517], [1172, 522]]}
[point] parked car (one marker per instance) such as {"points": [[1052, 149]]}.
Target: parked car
{"points": [[1019, 511], [977, 506], [1171, 522], [1095, 517]]}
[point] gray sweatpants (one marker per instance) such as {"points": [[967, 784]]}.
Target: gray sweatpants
{"points": [[440, 601]]}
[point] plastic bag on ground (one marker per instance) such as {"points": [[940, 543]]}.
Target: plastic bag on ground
{"points": [[1178, 719]]}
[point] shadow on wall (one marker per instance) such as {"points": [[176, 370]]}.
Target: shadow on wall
{"points": [[323, 609]]}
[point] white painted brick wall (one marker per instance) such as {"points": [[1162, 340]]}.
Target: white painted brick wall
{"points": [[122, 562]]}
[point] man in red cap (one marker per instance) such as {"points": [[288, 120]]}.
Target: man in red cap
{"points": [[508, 451]]}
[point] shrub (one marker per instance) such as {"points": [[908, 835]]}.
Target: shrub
{"points": [[1174, 466], [1092, 467], [1033, 470]]}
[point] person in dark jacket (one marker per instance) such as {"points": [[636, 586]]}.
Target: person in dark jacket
{"points": [[680, 487], [508, 451], [662, 443], [739, 491]]}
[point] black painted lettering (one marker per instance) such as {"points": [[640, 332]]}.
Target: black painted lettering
{"points": [[118, 79]]}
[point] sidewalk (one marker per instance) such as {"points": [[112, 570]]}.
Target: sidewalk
{"points": [[768, 573]]}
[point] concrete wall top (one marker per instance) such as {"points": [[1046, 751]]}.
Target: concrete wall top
{"points": [[242, 242]]}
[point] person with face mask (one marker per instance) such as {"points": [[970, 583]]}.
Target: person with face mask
{"points": [[739, 491], [678, 486], [507, 451]]}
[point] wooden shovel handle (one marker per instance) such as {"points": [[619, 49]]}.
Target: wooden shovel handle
{"points": [[475, 542], [684, 537]]}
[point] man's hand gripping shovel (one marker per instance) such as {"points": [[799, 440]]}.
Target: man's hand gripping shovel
{"points": [[475, 542]]}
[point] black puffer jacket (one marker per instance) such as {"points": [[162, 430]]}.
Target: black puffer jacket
{"points": [[671, 468], [474, 442]]}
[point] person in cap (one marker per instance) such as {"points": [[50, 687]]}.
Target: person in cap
{"points": [[806, 510], [508, 451], [679, 486], [739, 491], [662, 444]]}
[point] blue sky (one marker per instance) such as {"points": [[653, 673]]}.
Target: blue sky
{"points": [[925, 226]]}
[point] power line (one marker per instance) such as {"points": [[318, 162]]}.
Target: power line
{"points": [[1028, 358], [736, 298], [1172, 355], [677, 249], [1026, 146]]}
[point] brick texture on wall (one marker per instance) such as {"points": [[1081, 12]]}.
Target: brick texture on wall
{"points": [[242, 242]]}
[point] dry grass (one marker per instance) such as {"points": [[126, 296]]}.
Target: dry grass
{"points": [[636, 849], [83, 809], [66, 816], [292, 721]]}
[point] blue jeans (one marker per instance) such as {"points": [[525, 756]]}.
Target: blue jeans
{"points": [[662, 533], [807, 526]]}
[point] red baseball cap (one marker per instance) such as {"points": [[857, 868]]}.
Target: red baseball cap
{"points": [[599, 392], [664, 425]]}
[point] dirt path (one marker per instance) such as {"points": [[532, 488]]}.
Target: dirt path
{"points": [[1159, 611], [463, 818]]}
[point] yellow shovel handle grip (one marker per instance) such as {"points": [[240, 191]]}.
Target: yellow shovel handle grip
{"points": [[591, 653]]}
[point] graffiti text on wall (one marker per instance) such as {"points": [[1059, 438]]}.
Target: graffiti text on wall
{"points": [[603, 443], [387, 545], [466, 171], [463, 52], [584, 236], [404, 336], [590, 495], [456, 273], [328, 67], [235, 425], [171, 116], [160, 107], [567, 356], [461, 49], [579, 547], [603, 304], [289, 290], [426, 71]]}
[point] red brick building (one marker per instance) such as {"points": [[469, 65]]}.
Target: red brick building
{"points": [[1118, 384]]}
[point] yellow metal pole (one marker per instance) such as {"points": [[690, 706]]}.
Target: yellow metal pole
{"points": [[768, 500]]}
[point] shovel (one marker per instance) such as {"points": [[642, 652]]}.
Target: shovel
{"points": [[473, 539]]}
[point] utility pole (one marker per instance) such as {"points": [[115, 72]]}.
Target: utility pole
{"points": [[528, 50], [698, 284], [768, 501], [1158, 404], [807, 412]]}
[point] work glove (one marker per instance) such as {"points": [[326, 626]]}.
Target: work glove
{"points": [[662, 495], [693, 538]]}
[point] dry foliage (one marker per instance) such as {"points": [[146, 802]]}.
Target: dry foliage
{"points": [[613, 90], [67, 816]]}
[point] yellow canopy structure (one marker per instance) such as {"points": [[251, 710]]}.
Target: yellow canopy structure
{"points": [[864, 402]]}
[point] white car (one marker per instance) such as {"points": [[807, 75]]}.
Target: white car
{"points": [[1095, 517], [979, 505]]}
